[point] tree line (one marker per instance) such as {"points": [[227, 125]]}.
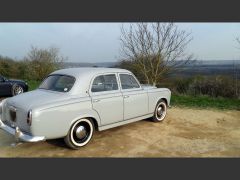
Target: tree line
{"points": [[38, 63]]}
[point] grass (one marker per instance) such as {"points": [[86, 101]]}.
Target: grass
{"points": [[32, 84], [185, 100], [205, 102]]}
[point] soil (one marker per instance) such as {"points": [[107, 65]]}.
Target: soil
{"points": [[184, 133]]}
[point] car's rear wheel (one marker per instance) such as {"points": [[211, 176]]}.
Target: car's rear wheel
{"points": [[17, 89], [160, 111], [80, 134]]}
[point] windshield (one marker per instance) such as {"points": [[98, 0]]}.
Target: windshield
{"points": [[61, 83]]}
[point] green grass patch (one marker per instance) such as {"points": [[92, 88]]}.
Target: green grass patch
{"points": [[205, 102], [32, 84]]}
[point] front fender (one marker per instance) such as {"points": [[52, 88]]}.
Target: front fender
{"points": [[155, 95]]}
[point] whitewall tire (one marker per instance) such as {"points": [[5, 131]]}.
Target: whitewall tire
{"points": [[160, 111], [80, 133]]}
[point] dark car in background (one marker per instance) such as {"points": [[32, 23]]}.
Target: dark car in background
{"points": [[12, 87]]}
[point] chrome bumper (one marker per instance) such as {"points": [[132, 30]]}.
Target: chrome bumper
{"points": [[20, 135]]}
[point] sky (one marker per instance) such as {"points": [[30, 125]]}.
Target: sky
{"points": [[99, 42]]}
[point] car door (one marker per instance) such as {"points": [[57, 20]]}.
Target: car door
{"points": [[135, 98], [5, 87], [107, 98]]}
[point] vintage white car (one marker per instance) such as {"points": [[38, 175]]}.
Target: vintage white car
{"points": [[72, 103]]}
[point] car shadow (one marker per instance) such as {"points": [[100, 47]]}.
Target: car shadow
{"points": [[57, 142], [148, 120]]}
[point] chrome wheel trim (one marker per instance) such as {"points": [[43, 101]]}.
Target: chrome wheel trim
{"points": [[81, 130], [18, 90], [161, 111]]}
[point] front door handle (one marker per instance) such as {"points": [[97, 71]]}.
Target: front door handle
{"points": [[125, 96], [96, 100]]}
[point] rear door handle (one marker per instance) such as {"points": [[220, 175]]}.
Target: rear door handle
{"points": [[96, 100], [125, 96]]}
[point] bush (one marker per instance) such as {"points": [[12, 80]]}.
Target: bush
{"points": [[41, 62], [12, 68], [213, 86], [37, 65], [216, 86]]}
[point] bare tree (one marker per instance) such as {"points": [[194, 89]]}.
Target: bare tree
{"points": [[155, 48]]}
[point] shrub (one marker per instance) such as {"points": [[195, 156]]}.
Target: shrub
{"points": [[37, 65], [213, 86]]}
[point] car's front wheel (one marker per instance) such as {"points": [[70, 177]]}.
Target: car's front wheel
{"points": [[160, 111], [17, 89], [79, 134]]}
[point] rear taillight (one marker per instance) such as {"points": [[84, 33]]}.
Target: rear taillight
{"points": [[1, 104], [29, 118]]}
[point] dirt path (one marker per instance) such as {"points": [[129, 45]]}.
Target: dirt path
{"points": [[184, 133]]}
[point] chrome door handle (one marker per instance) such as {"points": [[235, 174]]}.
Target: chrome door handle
{"points": [[125, 96], [96, 100]]}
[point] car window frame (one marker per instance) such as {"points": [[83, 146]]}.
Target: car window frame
{"points": [[58, 75], [130, 89], [104, 92]]}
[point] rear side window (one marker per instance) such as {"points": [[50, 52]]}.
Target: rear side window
{"points": [[105, 83], [61, 83], [128, 81]]}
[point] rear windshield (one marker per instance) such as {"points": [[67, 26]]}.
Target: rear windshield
{"points": [[60, 83]]}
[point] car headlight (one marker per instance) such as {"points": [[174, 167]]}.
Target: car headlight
{"points": [[29, 117]]}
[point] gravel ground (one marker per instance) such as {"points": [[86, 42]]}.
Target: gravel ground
{"points": [[184, 133]]}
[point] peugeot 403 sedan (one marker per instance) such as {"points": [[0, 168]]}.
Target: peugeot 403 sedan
{"points": [[73, 103]]}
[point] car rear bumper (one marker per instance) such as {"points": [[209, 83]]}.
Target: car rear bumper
{"points": [[19, 135]]}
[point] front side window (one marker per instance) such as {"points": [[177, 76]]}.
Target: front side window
{"points": [[105, 83], [61, 83], [128, 81]]}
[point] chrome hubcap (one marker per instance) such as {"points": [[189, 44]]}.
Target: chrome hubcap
{"points": [[18, 90], [161, 111], [81, 132]]}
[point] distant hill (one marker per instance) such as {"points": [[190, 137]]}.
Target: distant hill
{"points": [[85, 64], [210, 67], [217, 62], [196, 63], [198, 67]]}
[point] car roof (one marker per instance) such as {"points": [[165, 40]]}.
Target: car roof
{"points": [[86, 71], [84, 76]]}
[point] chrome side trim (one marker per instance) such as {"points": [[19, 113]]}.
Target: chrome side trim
{"points": [[20, 135], [120, 123]]}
